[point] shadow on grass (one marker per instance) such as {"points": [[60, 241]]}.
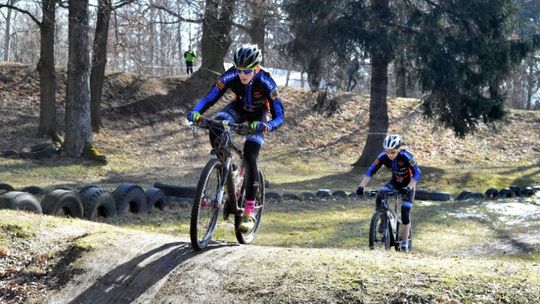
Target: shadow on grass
{"points": [[130, 280]]}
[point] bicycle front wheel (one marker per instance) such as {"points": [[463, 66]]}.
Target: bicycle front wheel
{"points": [[247, 237], [379, 231], [208, 201]]}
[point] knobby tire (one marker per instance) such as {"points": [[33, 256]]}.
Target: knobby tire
{"points": [[201, 229]]}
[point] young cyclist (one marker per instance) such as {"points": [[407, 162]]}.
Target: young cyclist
{"points": [[405, 175], [256, 101]]}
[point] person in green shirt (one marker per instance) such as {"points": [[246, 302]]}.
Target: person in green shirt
{"points": [[189, 56]]}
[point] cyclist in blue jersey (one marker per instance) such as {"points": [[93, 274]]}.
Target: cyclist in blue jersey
{"points": [[256, 101], [405, 175]]}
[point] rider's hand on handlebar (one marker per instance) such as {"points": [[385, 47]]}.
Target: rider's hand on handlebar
{"points": [[194, 116], [259, 127], [360, 191]]}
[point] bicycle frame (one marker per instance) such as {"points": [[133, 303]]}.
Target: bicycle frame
{"points": [[393, 215], [224, 153]]}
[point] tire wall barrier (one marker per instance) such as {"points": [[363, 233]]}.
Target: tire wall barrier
{"points": [[63, 202], [156, 198], [129, 196], [5, 188], [97, 202], [18, 200]]}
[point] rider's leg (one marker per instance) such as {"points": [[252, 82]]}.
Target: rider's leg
{"points": [[406, 207], [251, 153]]}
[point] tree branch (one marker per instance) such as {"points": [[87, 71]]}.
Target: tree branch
{"points": [[20, 10], [170, 12]]}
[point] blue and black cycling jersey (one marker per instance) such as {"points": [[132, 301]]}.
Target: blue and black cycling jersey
{"points": [[253, 100], [403, 167]]}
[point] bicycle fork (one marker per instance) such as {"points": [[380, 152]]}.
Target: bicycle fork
{"points": [[223, 184]]}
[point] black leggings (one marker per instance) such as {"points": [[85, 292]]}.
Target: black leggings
{"points": [[251, 153]]}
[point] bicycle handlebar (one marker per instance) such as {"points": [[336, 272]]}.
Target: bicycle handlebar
{"points": [[239, 128]]}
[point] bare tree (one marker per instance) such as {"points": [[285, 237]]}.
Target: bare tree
{"points": [[7, 34], [78, 122], [46, 65], [99, 58]]}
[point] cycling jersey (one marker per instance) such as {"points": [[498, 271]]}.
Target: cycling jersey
{"points": [[253, 100], [403, 167]]}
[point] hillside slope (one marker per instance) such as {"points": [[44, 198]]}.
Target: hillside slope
{"points": [[73, 261]]}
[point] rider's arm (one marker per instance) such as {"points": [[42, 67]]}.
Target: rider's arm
{"points": [[276, 107], [215, 93], [414, 169], [376, 165], [365, 181]]}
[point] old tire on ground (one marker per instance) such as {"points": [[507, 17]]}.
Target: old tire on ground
{"points": [[289, 196], [97, 202], [5, 188], [36, 191], [18, 200], [307, 196], [526, 192], [62, 202], [156, 198], [39, 151], [130, 196], [339, 194], [272, 196], [426, 195], [463, 195], [178, 191], [515, 189], [323, 194], [491, 193], [506, 193]]}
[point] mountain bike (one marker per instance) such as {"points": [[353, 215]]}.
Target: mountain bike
{"points": [[386, 222], [220, 187]]}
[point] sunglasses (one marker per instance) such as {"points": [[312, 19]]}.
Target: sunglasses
{"points": [[245, 71], [391, 152]]}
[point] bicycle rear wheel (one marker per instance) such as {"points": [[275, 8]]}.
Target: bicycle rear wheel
{"points": [[247, 237], [206, 205], [379, 232]]}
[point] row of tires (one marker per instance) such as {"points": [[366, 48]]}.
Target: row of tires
{"points": [[326, 194], [89, 202], [420, 194], [492, 193]]}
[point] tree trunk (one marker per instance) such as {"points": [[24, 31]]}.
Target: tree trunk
{"points": [[401, 77], [314, 73], [216, 40], [152, 43], [378, 112], [47, 72], [378, 107], [258, 23], [179, 49], [7, 33], [78, 121], [99, 62]]}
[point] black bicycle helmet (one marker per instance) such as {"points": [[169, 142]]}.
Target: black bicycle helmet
{"points": [[247, 56]]}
